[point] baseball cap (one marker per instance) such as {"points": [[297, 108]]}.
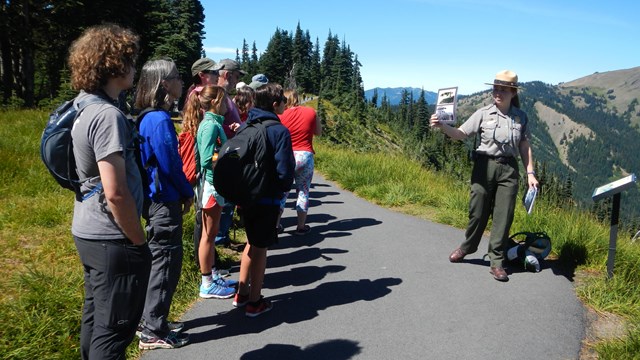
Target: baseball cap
{"points": [[230, 65], [204, 64]]}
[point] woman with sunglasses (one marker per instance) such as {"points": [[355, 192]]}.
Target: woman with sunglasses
{"points": [[504, 134]]}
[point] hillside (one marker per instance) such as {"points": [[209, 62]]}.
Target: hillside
{"points": [[620, 88], [562, 130]]}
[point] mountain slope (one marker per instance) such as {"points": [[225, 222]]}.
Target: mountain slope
{"points": [[620, 89]]}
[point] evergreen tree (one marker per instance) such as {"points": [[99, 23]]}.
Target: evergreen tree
{"points": [[276, 61], [422, 117]]}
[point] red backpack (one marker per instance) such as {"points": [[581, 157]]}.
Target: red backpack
{"points": [[187, 150]]}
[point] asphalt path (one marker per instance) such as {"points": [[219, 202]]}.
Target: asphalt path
{"points": [[370, 283]]}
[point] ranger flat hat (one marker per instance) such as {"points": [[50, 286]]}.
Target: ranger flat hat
{"points": [[506, 78]]}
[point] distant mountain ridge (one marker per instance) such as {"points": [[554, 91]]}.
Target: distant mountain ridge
{"points": [[394, 95]]}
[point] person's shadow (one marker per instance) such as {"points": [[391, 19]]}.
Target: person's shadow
{"points": [[291, 308], [338, 349]]}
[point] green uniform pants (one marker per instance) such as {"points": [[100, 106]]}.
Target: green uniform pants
{"points": [[494, 188]]}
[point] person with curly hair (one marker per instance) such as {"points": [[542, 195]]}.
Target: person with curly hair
{"points": [[106, 222]]}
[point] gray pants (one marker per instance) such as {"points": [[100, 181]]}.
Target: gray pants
{"points": [[494, 188], [115, 282], [164, 234]]}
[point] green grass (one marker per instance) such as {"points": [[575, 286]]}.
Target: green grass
{"points": [[580, 242], [41, 279], [41, 276]]}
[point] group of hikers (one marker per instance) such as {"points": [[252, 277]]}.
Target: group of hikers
{"points": [[130, 275], [142, 168]]}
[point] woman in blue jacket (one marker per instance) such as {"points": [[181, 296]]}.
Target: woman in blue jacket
{"points": [[169, 195]]}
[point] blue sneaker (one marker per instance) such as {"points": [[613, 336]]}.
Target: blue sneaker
{"points": [[217, 279], [216, 291]]}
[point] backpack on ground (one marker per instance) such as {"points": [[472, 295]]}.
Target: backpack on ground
{"points": [[56, 147], [245, 167], [528, 252]]}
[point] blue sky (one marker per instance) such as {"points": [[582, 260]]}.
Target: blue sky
{"points": [[436, 44]]}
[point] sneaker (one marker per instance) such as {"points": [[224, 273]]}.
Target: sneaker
{"points": [[304, 231], [174, 327], [172, 341], [216, 291], [226, 283], [259, 307], [240, 300], [220, 272]]}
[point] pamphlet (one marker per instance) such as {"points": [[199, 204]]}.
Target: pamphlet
{"points": [[446, 105], [530, 198]]}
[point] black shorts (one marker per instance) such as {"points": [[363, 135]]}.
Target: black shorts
{"points": [[260, 223]]}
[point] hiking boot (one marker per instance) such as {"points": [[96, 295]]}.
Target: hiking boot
{"points": [[259, 307], [172, 341], [216, 291], [240, 300]]}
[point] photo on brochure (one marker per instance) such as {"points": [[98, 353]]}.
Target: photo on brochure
{"points": [[446, 105]]}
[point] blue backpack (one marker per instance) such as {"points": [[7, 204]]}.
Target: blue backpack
{"points": [[56, 147]]}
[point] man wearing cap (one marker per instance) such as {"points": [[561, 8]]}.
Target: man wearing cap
{"points": [[504, 134], [230, 74], [258, 80], [204, 72]]}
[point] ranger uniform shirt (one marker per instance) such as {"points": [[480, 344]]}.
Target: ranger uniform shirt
{"points": [[500, 134]]}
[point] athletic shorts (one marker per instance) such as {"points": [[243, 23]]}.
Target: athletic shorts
{"points": [[260, 223], [210, 196]]}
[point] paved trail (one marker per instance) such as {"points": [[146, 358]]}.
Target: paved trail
{"points": [[369, 283]]}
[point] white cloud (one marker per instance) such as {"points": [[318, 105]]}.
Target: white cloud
{"points": [[219, 50]]}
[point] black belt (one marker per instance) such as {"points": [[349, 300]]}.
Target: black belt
{"points": [[498, 159]]}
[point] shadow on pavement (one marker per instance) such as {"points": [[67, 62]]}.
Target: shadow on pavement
{"points": [[338, 349], [291, 308]]}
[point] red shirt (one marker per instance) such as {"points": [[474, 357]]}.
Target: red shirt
{"points": [[301, 122]]}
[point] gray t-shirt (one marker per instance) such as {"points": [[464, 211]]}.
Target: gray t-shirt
{"points": [[500, 134], [101, 130]]}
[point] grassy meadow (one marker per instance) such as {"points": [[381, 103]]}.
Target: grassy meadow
{"points": [[41, 276]]}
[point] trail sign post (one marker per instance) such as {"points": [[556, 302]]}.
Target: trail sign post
{"points": [[613, 189]]}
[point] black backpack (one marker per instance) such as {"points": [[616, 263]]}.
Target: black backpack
{"points": [[523, 251], [56, 147], [245, 168]]}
